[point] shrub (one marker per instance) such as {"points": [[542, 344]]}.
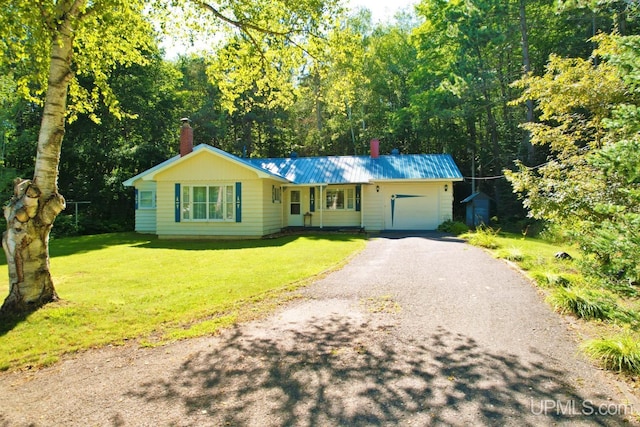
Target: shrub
{"points": [[555, 234], [64, 225], [613, 249], [454, 227], [548, 279], [526, 227], [621, 353]]}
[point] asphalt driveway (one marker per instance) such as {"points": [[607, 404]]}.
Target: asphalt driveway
{"points": [[421, 330]]}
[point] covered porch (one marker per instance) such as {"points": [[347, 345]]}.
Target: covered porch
{"points": [[333, 206]]}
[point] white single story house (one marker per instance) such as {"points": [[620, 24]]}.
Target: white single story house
{"points": [[206, 192]]}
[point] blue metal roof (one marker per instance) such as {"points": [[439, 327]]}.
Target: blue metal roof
{"points": [[334, 169], [361, 169]]}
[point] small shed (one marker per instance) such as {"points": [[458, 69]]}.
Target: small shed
{"points": [[478, 209]]}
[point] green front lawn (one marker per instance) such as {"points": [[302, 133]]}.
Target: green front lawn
{"points": [[119, 287]]}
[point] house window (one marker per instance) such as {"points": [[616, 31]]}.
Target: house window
{"points": [[276, 194], [208, 203], [146, 199], [340, 199]]}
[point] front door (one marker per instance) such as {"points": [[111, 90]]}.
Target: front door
{"points": [[295, 209]]}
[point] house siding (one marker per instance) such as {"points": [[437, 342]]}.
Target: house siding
{"points": [[206, 166], [323, 217], [272, 211], [208, 169], [446, 201], [338, 218], [372, 208], [145, 219]]}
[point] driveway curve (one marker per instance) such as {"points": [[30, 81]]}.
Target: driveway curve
{"points": [[416, 330]]}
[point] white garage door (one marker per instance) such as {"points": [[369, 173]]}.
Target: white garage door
{"points": [[411, 207]]}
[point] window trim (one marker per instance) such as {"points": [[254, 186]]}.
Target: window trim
{"points": [[228, 203], [152, 198], [349, 198]]}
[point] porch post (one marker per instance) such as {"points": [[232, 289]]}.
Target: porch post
{"points": [[283, 205], [321, 205], [361, 208]]}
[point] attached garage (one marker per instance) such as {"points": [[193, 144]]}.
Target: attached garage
{"points": [[415, 206]]}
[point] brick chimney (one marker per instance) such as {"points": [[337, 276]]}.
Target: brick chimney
{"points": [[186, 137], [375, 148]]}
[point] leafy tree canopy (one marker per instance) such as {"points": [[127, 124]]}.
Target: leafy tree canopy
{"points": [[590, 184], [27, 30]]}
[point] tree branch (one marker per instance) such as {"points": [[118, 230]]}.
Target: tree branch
{"points": [[46, 17], [245, 26], [242, 25]]}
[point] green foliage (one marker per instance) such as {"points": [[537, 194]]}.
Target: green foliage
{"points": [[613, 248], [258, 66], [434, 82], [591, 304], [483, 236], [612, 234], [8, 100], [621, 353], [125, 101], [64, 226], [554, 233], [590, 187], [117, 287], [459, 47], [454, 227], [525, 226], [554, 279], [511, 254], [27, 37], [116, 148], [583, 302]]}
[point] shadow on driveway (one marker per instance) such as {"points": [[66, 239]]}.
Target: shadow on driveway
{"points": [[336, 371]]}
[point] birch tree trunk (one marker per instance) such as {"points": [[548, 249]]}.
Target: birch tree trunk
{"points": [[36, 203]]}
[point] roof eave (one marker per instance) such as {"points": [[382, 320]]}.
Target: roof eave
{"points": [[437, 179], [150, 175]]}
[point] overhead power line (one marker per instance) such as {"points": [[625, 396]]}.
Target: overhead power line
{"points": [[488, 178]]}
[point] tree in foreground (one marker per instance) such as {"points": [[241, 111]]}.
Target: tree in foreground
{"points": [[46, 46]]}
